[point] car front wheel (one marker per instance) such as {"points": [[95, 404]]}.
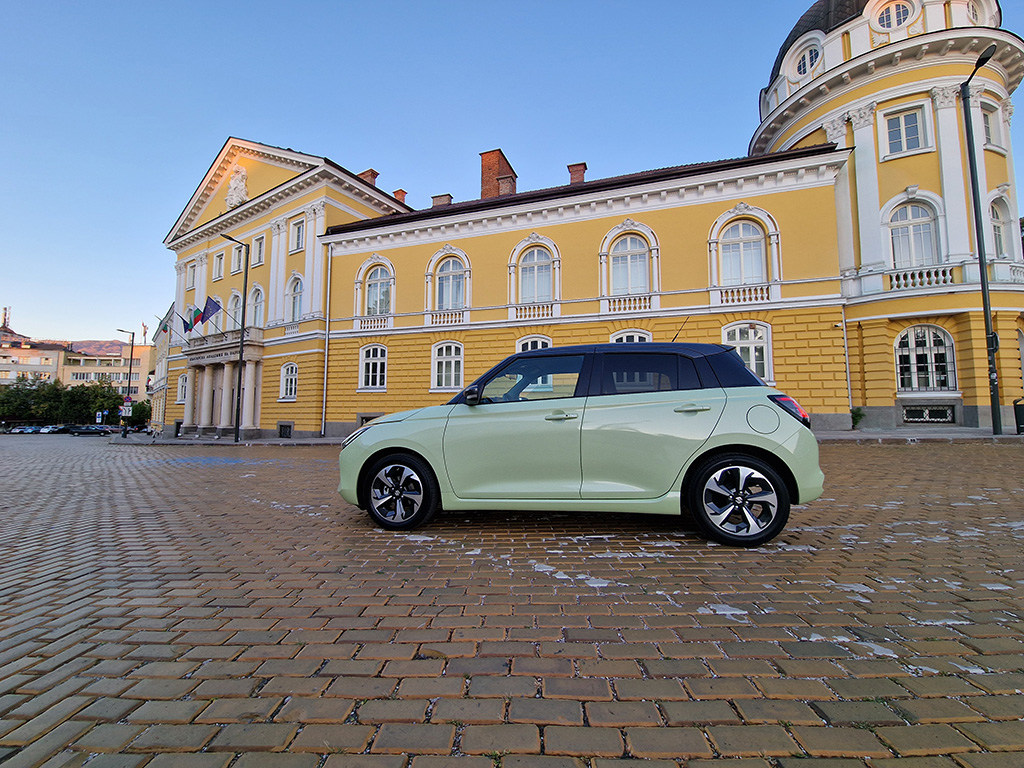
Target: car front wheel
{"points": [[400, 492], [738, 500]]}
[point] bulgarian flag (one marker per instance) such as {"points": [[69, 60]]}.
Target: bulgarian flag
{"points": [[191, 318]]}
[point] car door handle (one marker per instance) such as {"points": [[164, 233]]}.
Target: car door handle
{"points": [[561, 416], [692, 408]]}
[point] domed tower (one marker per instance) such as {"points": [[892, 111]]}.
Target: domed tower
{"points": [[882, 77]]}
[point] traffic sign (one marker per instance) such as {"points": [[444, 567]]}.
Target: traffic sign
{"points": [[126, 410], [127, 399]]}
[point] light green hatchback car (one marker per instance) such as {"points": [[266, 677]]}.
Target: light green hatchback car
{"points": [[654, 428]]}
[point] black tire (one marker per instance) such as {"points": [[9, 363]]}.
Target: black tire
{"points": [[738, 500], [400, 492]]}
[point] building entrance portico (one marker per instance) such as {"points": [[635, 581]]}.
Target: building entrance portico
{"points": [[212, 381]]}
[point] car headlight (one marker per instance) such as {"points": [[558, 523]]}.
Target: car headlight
{"points": [[351, 438]]}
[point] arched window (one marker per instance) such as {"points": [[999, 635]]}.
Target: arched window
{"points": [[378, 291], [808, 58], [630, 337], [256, 307], [533, 342], [447, 366], [289, 381], [912, 233], [451, 284], [536, 277], [182, 387], [999, 230], [754, 344], [293, 299], [924, 360], [742, 254], [373, 367], [235, 312], [630, 266]]}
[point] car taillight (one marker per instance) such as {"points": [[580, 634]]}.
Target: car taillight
{"points": [[792, 407]]}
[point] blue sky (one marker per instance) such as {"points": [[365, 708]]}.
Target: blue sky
{"points": [[113, 111]]}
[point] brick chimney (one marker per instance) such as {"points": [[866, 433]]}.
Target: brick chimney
{"points": [[399, 195], [497, 177], [439, 200], [369, 176], [576, 172]]}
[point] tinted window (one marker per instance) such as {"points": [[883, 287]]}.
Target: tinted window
{"points": [[638, 372], [534, 378], [731, 372]]}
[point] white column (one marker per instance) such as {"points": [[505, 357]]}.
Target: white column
{"points": [[278, 262], [1007, 113], [249, 395], [835, 130], [206, 398], [189, 419], [872, 254], [227, 402], [181, 268], [951, 162], [979, 153], [314, 260]]}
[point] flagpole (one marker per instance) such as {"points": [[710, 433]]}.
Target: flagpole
{"points": [[170, 327], [241, 336]]}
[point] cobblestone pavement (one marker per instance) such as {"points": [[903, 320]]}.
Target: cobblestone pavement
{"points": [[196, 606]]}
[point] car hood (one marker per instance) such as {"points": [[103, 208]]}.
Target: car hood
{"points": [[416, 413]]}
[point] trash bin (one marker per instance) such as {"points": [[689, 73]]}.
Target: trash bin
{"points": [[1018, 414]]}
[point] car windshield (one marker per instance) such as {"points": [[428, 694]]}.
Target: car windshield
{"points": [[535, 378]]}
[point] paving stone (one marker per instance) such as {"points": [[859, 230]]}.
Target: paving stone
{"points": [[776, 712], [366, 761], [995, 737], [935, 739], [699, 713], [107, 737], [670, 742], [174, 738], [398, 738], [390, 711], [276, 760], [238, 710], [327, 738], [204, 760], [752, 740], [582, 741], [501, 739], [545, 712], [469, 711], [999, 707], [918, 711], [254, 737], [838, 741], [857, 712], [167, 712]]}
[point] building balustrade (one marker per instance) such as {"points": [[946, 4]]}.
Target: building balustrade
{"points": [[253, 335], [745, 294], [534, 311], [922, 277], [630, 303], [374, 322], [448, 317]]}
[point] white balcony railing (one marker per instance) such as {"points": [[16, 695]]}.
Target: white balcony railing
{"points": [[637, 303], [447, 317], [745, 294], [373, 322], [534, 311], [922, 277]]}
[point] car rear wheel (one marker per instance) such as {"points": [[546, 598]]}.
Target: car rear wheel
{"points": [[738, 500], [400, 492]]}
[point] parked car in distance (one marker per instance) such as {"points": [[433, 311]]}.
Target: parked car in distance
{"points": [[24, 429], [53, 429], [656, 428], [79, 430]]}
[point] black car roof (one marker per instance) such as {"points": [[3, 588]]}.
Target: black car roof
{"points": [[687, 349]]}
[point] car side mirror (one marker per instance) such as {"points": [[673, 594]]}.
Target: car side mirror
{"points": [[471, 395]]}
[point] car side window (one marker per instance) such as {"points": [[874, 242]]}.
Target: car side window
{"points": [[534, 378], [637, 372]]}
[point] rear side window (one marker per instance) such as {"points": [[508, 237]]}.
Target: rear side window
{"points": [[631, 373], [731, 372]]}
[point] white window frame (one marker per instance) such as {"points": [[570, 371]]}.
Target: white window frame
{"points": [[289, 383], [297, 235], [379, 284], [234, 312], [293, 298], [630, 255], [182, 388], [373, 364], [631, 336], [237, 259], [447, 366], [747, 347], [929, 352], [534, 341], [889, 10], [257, 309], [443, 276], [190, 277], [926, 126], [218, 266], [531, 269], [934, 225], [743, 241], [259, 249]]}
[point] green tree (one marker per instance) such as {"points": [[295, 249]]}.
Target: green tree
{"points": [[16, 401]]}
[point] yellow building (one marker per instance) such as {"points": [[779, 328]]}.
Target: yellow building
{"points": [[838, 257]]}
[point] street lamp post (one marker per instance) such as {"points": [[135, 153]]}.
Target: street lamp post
{"points": [[128, 389], [241, 335], [991, 339]]}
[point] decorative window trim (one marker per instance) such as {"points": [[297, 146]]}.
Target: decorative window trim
{"points": [[364, 320], [625, 336], [289, 390], [631, 227], [773, 258], [923, 108], [895, 31], [237, 259], [297, 234], [292, 316], [258, 254], [257, 322], [812, 40], [994, 128], [458, 369], [769, 365], [543, 342], [914, 195], [218, 266], [234, 311], [190, 277], [182, 392], [951, 390], [519, 310], [1011, 228], [372, 367], [437, 316]]}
